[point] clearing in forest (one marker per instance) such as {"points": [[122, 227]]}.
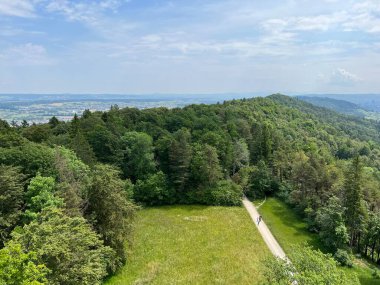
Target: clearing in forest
{"points": [[194, 245]]}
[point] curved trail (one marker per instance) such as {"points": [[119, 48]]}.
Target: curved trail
{"points": [[269, 239]]}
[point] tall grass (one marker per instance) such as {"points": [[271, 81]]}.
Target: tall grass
{"points": [[194, 245]]}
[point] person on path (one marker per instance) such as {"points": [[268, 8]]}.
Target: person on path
{"points": [[259, 220]]}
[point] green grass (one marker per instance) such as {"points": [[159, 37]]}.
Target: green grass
{"points": [[194, 245], [289, 230]]}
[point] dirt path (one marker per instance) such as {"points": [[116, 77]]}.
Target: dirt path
{"points": [[269, 239]]}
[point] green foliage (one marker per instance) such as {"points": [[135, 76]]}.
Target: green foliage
{"points": [[355, 211], [154, 190], [240, 155], [20, 268], [330, 220], [30, 157], [9, 137], [72, 252], [83, 149], [37, 133], [74, 180], [205, 167], [138, 162], [343, 257], [11, 199], [226, 193], [308, 267], [262, 182], [180, 153], [110, 210], [376, 274], [289, 230], [40, 195], [105, 144]]}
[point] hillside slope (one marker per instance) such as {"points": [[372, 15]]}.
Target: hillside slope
{"points": [[341, 106]]}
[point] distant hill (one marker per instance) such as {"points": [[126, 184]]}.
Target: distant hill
{"points": [[341, 106], [370, 102]]}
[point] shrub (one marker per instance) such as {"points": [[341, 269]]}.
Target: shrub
{"points": [[226, 193], [153, 191], [376, 273], [343, 257]]}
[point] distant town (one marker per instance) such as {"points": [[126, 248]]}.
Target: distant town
{"points": [[38, 108]]}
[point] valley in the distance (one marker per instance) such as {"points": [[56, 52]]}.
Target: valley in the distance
{"points": [[39, 108]]}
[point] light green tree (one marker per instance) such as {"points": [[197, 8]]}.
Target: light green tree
{"points": [[40, 195], [68, 247], [307, 267], [18, 267]]}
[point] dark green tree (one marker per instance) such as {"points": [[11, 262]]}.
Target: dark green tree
{"points": [[330, 220], [11, 199], [205, 167], [110, 210], [154, 190], [138, 162], [353, 201], [240, 155], [73, 181], [180, 153]]}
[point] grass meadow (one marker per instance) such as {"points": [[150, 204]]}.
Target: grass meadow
{"points": [[193, 245], [289, 229]]}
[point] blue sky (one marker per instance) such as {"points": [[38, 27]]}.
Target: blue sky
{"points": [[189, 46]]}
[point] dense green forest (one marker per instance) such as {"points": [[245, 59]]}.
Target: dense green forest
{"points": [[69, 190]]}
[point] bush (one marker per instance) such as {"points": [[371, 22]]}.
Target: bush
{"points": [[153, 191], [376, 273], [343, 257], [226, 193], [283, 192]]}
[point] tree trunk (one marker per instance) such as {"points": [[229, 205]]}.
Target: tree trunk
{"points": [[352, 239], [373, 250]]}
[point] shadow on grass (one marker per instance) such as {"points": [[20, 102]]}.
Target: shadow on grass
{"points": [[289, 218]]}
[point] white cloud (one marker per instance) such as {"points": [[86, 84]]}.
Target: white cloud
{"points": [[343, 77], [18, 8], [26, 54], [320, 22], [366, 21], [83, 11], [363, 16]]}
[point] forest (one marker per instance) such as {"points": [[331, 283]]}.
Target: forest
{"points": [[69, 191]]}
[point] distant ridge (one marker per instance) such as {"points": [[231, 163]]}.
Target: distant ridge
{"points": [[345, 106]]}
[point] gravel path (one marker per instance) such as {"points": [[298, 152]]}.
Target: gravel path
{"points": [[269, 239]]}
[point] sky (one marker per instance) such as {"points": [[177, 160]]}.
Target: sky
{"points": [[189, 46]]}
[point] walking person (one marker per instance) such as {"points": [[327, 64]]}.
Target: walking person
{"points": [[259, 220]]}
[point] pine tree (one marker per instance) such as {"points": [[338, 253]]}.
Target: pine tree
{"points": [[355, 214], [180, 158]]}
